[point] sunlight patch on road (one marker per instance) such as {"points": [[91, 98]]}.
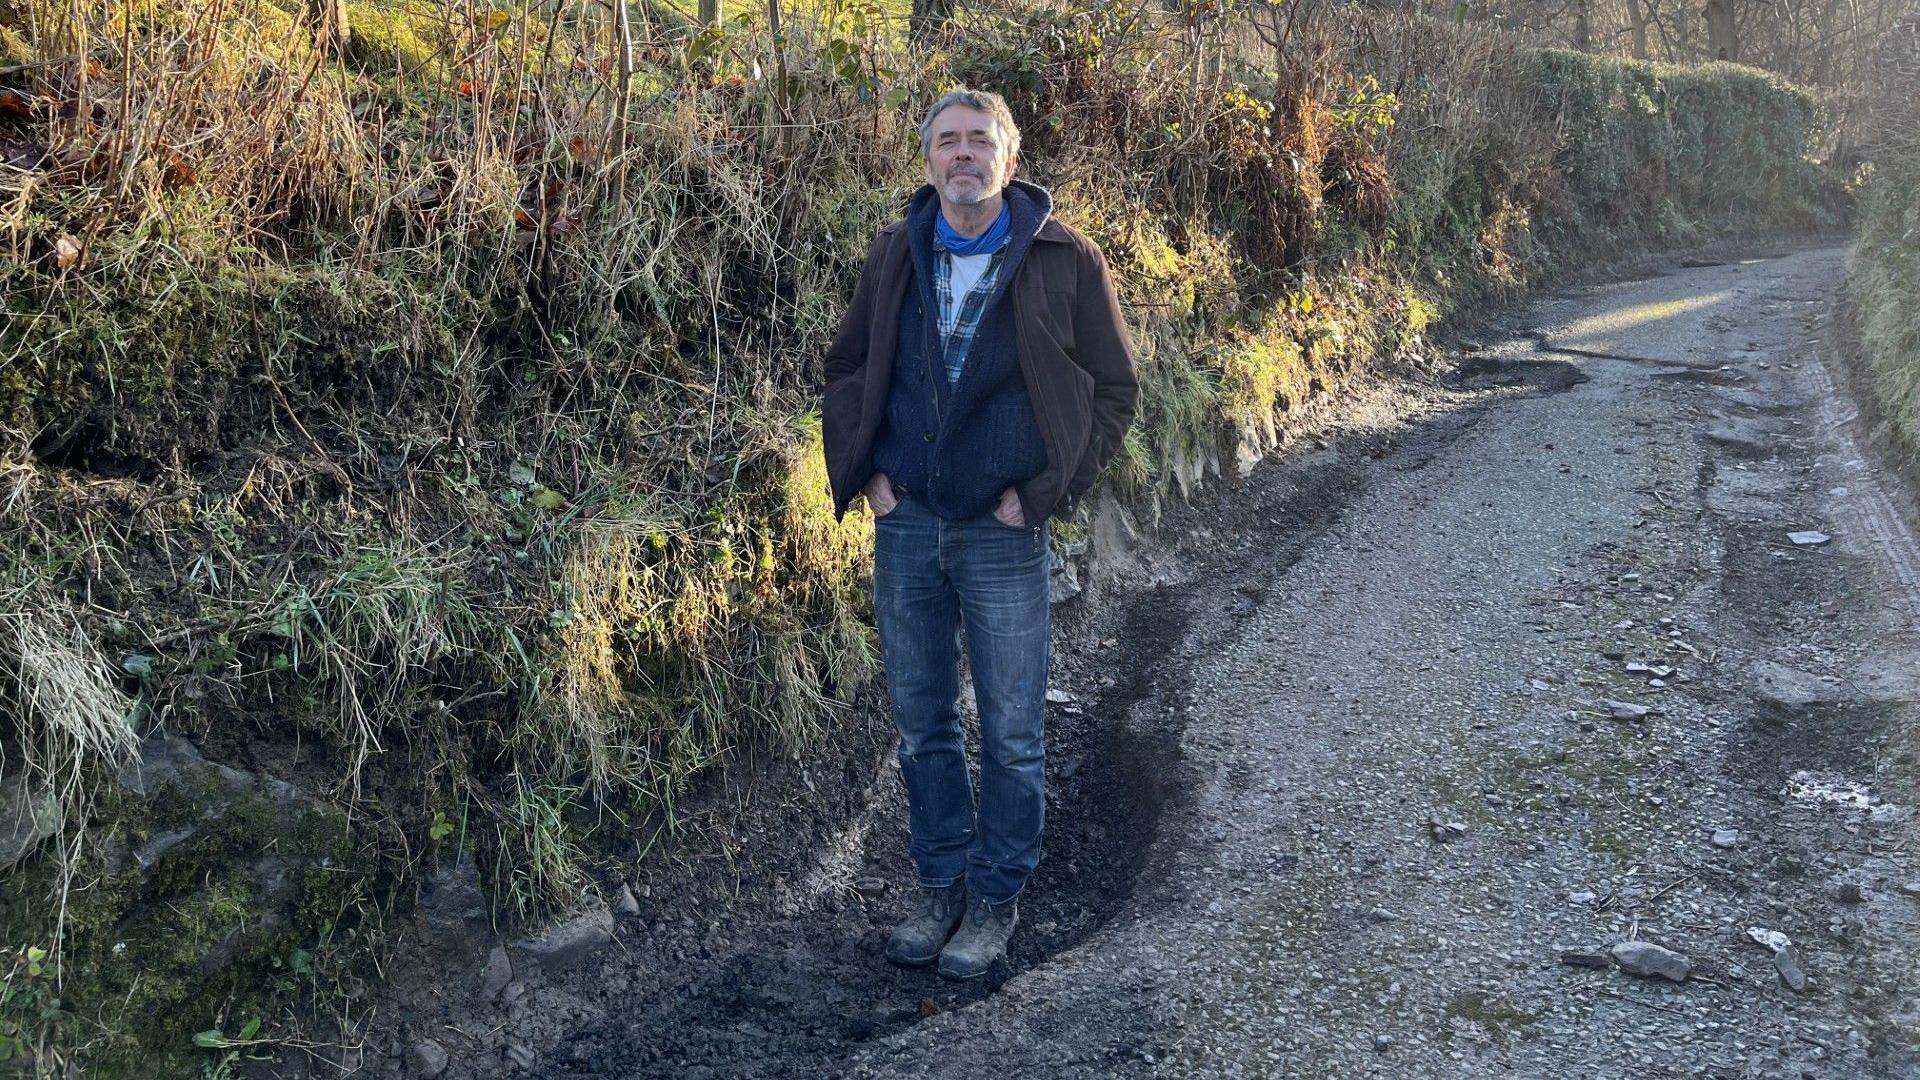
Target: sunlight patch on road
{"points": [[1606, 324]]}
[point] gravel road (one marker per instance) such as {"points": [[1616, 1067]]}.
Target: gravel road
{"points": [[1375, 757]]}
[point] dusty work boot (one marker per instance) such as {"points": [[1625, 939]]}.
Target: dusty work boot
{"points": [[981, 939], [917, 941]]}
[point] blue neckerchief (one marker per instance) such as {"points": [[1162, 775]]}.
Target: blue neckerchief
{"points": [[991, 240]]}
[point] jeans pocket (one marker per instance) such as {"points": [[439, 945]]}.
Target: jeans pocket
{"points": [[899, 504]]}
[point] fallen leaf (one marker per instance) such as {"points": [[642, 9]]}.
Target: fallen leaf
{"points": [[178, 171], [67, 251], [15, 103]]}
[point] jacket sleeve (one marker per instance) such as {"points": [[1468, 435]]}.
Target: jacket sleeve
{"points": [[1105, 352], [847, 355], [846, 377]]}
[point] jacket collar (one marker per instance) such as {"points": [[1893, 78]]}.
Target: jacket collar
{"points": [[1054, 231], [925, 202]]}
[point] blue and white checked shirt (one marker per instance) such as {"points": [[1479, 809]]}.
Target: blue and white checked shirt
{"points": [[958, 321]]}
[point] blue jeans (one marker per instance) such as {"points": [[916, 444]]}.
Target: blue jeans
{"points": [[930, 578]]}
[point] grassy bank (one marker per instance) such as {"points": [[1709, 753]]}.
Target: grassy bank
{"points": [[427, 422], [1884, 280], [1884, 292]]}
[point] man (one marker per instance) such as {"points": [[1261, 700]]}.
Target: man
{"points": [[979, 382]]}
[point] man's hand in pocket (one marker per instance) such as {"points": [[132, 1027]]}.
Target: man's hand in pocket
{"points": [[880, 498], [1008, 513]]}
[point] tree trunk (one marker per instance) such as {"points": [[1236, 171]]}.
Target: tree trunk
{"points": [[710, 13], [1582, 27], [780, 88], [928, 17], [1637, 22], [1723, 41]]}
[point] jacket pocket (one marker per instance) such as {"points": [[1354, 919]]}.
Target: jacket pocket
{"points": [[1057, 318], [1079, 418]]}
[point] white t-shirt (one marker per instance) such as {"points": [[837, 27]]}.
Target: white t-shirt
{"points": [[963, 273]]}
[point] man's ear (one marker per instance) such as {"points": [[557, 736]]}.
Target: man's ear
{"points": [[1013, 162]]}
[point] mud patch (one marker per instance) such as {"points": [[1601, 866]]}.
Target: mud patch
{"points": [[1831, 740], [1485, 371], [798, 998], [1779, 591]]}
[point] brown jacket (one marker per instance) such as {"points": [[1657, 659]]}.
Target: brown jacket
{"points": [[1074, 356]]}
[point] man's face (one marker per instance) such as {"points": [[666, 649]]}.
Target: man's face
{"points": [[965, 162]]}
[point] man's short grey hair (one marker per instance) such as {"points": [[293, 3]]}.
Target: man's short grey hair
{"points": [[992, 104]]}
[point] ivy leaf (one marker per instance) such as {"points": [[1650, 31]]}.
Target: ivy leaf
{"points": [[211, 1040]]}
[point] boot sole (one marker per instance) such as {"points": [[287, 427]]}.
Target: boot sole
{"points": [[957, 976], [912, 961]]}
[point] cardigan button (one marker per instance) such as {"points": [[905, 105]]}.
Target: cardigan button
{"points": [[927, 436]]}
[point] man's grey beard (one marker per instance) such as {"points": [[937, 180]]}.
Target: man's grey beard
{"points": [[950, 192]]}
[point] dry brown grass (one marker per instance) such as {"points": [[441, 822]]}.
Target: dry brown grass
{"points": [[69, 716]]}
